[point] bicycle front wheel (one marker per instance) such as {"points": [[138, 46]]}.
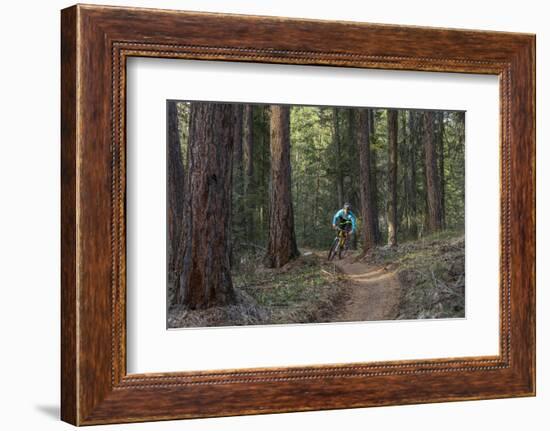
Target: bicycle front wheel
{"points": [[333, 249], [343, 249]]}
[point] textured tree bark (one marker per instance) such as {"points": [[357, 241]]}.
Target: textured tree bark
{"points": [[238, 146], [392, 177], [373, 180], [441, 164], [365, 187], [281, 246], [238, 180], [206, 277], [353, 186], [413, 139], [248, 137], [176, 184], [433, 191], [338, 149]]}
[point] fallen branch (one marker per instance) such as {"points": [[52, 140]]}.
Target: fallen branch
{"points": [[332, 274]]}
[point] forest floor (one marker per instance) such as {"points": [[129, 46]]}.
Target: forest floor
{"points": [[431, 272], [306, 290], [417, 280], [375, 293]]}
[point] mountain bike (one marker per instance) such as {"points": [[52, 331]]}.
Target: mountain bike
{"points": [[340, 244]]}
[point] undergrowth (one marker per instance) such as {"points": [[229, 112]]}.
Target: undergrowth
{"points": [[305, 290], [432, 275]]}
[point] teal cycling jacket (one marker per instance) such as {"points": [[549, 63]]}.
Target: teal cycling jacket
{"points": [[340, 214]]}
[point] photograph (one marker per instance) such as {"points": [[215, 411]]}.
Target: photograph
{"points": [[296, 214]]}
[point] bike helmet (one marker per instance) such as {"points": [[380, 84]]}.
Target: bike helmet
{"points": [[347, 205]]}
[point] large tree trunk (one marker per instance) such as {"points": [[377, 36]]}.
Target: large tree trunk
{"points": [[441, 164], [205, 280], [353, 188], [392, 177], [413, 133], [363, 145], [281, 246], [238, 204], [176, 182], [338, 149], [373, 180], [433, 190], [238, 150], [248, 137]]}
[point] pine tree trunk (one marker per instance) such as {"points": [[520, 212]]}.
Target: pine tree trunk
{"points": [[404, 156], [176, 183], [373, 179], [363, 145], [238, 138], [433, 184], [263, 173], [205, 280], [238, 176], [238, 204], [413, 132], [281, 246], [392, 177], [338, 149], [352, 168], [441, 164], [248, 137]]}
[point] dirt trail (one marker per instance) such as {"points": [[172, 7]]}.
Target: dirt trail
{"points": [[375, 294]]}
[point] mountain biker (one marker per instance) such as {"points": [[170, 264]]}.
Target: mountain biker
{"points": [[342, 219]]}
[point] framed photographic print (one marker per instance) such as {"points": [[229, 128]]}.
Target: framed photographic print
{"points": [[264, 214]]}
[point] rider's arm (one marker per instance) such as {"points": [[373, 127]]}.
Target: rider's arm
{"points": [[335, 218]]}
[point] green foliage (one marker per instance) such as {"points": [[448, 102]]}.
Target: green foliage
{"points": [[259, 192], [312, 184]]}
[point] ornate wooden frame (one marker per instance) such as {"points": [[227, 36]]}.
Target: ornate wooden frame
{"points": [[95, 43]]}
